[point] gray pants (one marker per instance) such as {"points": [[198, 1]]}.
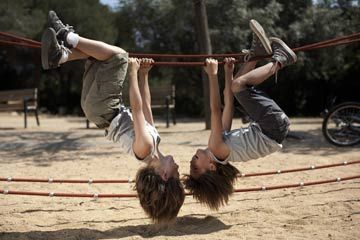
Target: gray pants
{"points": [[101, 94], [263, 110]]}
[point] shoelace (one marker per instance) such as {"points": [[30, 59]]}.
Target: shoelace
{"points": [[276, 73], [67, 27], [247, 55], [64, 53], [250, 52], [278, 53], [65, 49]]}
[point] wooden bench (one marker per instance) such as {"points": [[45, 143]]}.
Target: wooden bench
{"points": [[162, 97], [20, 99]]}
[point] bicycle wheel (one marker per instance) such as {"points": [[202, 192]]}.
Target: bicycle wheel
{"points": [[341, 125]]}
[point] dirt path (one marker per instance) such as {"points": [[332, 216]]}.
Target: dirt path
{"points": [[63, 148]]}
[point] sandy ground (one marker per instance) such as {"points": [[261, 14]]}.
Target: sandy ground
{"points": [[62, 148]]}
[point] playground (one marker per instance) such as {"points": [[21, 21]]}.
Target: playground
{"points": [[62, 148], [255, 105]]}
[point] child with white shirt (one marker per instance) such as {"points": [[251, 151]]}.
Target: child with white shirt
{"points": [[159, 189], [212, 176]]}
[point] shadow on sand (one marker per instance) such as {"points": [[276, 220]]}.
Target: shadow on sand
{"points": [[187, 225], [299, 142], [44, 146], [304, 142], [17, 145]]}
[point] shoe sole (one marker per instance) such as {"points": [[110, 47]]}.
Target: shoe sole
{"points": [[259, 31], [286, 47], [46, 38]]}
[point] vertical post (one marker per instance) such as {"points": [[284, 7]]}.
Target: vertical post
{"points": [[37, 75], [173, 113], [25, 113], [37, 116], [203, 36], [167, 103], [36, 106]]}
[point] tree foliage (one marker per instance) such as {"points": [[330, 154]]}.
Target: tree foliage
{"points": [[21, 67], [167, 26]]}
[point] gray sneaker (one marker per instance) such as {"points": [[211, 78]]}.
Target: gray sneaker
{"points": [[260, 45], [60, 28], [51, 50], [282, 53]]}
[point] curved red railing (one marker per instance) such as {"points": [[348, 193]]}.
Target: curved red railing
{"points": [[102, 181], [352, 38], [99, 195]]}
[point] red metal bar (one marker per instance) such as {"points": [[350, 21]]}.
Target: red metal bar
{"points": [[303, 184], [18, 44], [79, 195], [154, 55], [327, 43], [314, 167], [252, 189], [91, 181], [18, 38]]}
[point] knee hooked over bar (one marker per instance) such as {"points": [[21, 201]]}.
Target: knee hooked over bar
{"points": [[237, 85], [283, 128]]}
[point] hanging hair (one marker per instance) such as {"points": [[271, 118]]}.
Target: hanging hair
{"points": [[161, 200], [213, 188]]}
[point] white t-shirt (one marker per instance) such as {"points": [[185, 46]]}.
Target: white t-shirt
{"points": [[248, 143], [121, 130]]}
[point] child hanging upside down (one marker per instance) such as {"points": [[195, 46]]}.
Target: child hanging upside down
{"points": [[212, 176], [158, 186]]}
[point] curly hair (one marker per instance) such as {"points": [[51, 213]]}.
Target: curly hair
{"points": [[213, 188], [161, 200]]}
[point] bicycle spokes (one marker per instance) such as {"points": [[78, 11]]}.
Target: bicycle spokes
{"points": [[342, 124]]}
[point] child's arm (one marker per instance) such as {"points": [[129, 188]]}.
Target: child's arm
{"points": [[228, 111], [143, 143], [145, 67], [216, 143]]}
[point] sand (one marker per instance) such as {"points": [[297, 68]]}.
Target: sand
{"points": [[62, 148]]}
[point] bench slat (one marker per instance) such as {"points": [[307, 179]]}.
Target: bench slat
{"points": [[19, 94], [14, 100], [7, 107]]}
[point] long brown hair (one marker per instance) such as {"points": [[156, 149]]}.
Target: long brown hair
{"points": [[213, 188], [161, 200]]}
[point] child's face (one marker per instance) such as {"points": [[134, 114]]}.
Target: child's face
{"points": [[170, 168], [201, 162], [166, 167]]}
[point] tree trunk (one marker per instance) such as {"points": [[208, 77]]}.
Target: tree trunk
{"points": [[203, 36]]}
